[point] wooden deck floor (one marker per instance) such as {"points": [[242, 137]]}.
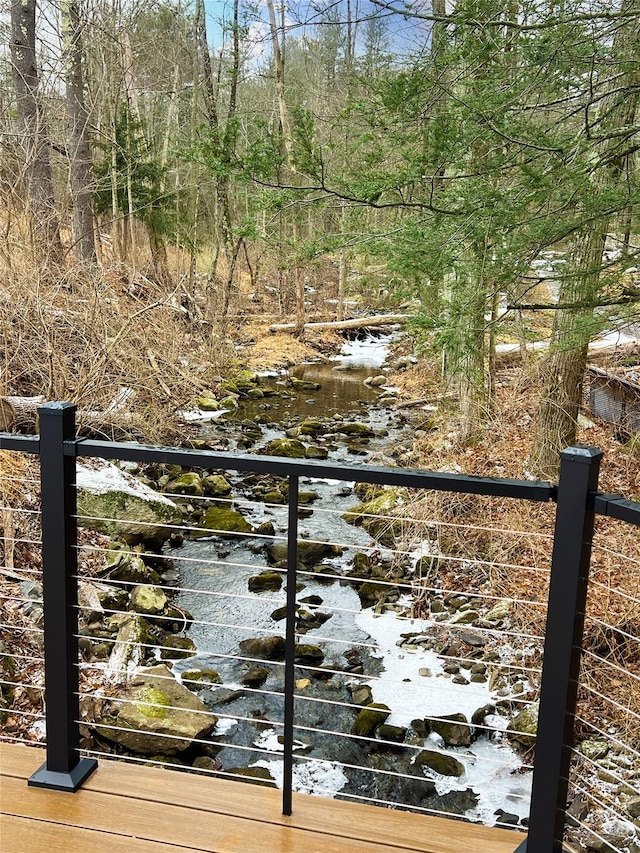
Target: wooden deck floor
{"points": [[126, 808]]}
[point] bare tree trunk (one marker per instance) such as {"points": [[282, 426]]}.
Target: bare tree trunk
{"points": [[557, 416], [78, 145], [44, 217], [278, 59]]}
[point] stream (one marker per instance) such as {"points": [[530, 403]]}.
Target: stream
{"points": [[362, 649]]}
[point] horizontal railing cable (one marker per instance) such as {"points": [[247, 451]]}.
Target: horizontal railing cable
{"points": [[22, 629], [184, 738], [600, 799], [5, 738], [608, 699], [413, 808], [607, 736], [205, 532], [20, 510], [591, 655], [611, 772]]}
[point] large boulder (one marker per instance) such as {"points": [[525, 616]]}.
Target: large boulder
{"points": [[114, 502], [155, 715]]}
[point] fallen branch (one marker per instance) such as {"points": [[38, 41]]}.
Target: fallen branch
{"points": [[358, 323]]}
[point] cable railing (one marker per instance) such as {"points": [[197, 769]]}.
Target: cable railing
{"points": [[274, 673]]}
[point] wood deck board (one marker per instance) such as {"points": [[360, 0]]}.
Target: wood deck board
{"points": [[174, 811], [20, 834]]}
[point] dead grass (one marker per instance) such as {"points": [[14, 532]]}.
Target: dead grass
{"points": [[98, 338]]}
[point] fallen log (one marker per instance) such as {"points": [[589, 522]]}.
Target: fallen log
{"points": [[357, 323], [19, 413]]}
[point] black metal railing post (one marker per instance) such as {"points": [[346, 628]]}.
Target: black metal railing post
{"points": [[290, 646], [63, 770], [579, 469]]}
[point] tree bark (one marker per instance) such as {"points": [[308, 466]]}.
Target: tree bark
{"points": [[78, 144], [37, 172], [557, 417]]}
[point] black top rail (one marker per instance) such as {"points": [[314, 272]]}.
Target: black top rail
{"points": [[578, 502]]}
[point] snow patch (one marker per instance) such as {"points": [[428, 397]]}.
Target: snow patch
{"points": [[102, 478]]}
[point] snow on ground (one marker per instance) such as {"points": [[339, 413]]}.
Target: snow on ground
{"points": [[322, 778], [105, 477], [370, 352], [493, 770]]}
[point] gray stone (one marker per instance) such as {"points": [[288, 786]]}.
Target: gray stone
{"points": [[164, 716]]}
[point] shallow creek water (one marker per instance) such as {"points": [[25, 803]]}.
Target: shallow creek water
{"points": [[408, 679]]}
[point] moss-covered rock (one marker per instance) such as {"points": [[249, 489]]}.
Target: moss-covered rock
{"points": [[155, 715], [524, 726], [186, 484], [267, 648], [396, 734], [129, 568], [129, 650], [371, 593], [148, 600], [499, 611], [265, 581], [275, 497], [439, 762], [209, 404], [353, 428], [112, 597], [454, 729], [197, 679], [287, 447], [312, 426], [229, 403], [314, 452], [374, 515], [221, 520], [177, 648], [216, 486], [116, 503], [304, 385], [369, 718]]}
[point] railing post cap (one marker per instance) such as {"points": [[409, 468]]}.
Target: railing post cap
{"points": [[586, 455], [56, 409]]}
